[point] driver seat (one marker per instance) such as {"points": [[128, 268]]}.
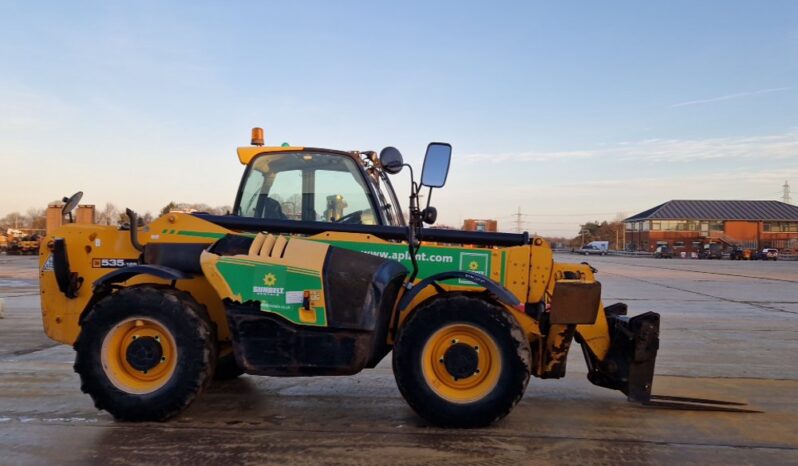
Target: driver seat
{"points": [[268, 208]]}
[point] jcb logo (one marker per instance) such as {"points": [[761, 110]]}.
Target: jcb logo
{"points": [[112, 263]]}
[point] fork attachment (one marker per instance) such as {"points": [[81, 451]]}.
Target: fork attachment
{"points": [[629, 363]]}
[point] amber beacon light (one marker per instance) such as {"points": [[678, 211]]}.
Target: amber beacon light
{"points": [[257, 136]]}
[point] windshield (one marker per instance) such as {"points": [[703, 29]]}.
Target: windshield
{"points": [[307, 186]]}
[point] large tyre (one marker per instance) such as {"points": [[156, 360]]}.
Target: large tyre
{"points": [[144, 353], [226, 366], [461, 361]]}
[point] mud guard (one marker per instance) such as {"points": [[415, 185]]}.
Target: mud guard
{"points": [[501, 293], [126, 273]]}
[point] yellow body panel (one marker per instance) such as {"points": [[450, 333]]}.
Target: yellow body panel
{"points": [[540, 271], [246, 154], [179, 227], [84, 243], [88, 245]]}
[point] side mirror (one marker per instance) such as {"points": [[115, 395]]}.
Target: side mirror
{"points": [[436, 164], [391, 160]]}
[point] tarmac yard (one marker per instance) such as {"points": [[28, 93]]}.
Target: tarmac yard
{"points": [[729, 332]]}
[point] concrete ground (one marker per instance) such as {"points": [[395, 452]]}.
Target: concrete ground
{"points": [[729, 331]]}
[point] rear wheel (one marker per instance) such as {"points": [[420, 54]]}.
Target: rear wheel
{"points": [[145, 353], [461, 361]]}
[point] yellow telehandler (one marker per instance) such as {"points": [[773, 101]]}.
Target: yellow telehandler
{"points": [[316, 271]]}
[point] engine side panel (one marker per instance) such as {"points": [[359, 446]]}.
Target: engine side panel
{"points": [[299, 307]]}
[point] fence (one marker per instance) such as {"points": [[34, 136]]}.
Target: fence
{"points": [[785, 257]]}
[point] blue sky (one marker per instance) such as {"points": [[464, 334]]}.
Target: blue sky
{"points": [[573, 111]]}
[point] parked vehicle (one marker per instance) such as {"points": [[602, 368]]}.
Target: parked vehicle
{"points": [[26, 245], [711, 251], [738, 254], [588, 250], [663, 252], [595, 247], [767, 254]]}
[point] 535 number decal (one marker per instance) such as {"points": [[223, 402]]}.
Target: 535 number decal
{"points": [[112, 263]]}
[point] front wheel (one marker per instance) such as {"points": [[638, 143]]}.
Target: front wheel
{"points": [[461, 361], [144, 353]]}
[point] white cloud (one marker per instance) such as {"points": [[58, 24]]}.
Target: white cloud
{"points": [[736, 95], [762, 147], [530, 156]]}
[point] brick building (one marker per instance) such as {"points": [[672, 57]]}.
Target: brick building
{"points": [[473, 224], [85, 213], [687, 225]]}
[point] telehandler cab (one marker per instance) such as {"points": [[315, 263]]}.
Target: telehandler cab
{"points": [[315, 272]]}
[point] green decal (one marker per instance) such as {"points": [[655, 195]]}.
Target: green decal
{"points": [[431, 259], [196, 234], [477, 262], [279, 289], [201, 234]]}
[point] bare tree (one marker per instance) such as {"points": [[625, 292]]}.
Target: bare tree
{"points": [[13, 220], [36, 218], [195, 207], [169, 207], [109, 215]]}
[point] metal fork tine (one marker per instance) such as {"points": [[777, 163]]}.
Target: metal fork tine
{"points": [[696, 400], [695, 407]]}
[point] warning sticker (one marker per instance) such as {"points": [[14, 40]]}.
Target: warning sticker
{"points": [[293, 297], [48, 264]]}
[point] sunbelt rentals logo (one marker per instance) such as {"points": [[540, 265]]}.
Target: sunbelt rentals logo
{"points": [[476, 262], [270, 280]]}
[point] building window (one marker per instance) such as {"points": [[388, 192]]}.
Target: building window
{"points": [[656, 225], [644, 225], [680, 225], [678, 244], [716, 225], [781, 227]]}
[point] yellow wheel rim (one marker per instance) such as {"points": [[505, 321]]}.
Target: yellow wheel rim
{"points": [[121, 369], [469, 388]]}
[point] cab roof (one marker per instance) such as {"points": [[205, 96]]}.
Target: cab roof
{"points": [[247, 153]]}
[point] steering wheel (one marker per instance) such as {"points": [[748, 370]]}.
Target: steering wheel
{"points": [[71, 202], [348, 218]]}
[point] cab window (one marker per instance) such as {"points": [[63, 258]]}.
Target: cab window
{"points": [[306, 186]]}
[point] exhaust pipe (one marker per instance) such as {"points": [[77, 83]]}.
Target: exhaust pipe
{"points": [[134, 229]]}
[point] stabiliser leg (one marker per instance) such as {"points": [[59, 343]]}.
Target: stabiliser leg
{"points": [[629, 364]]}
